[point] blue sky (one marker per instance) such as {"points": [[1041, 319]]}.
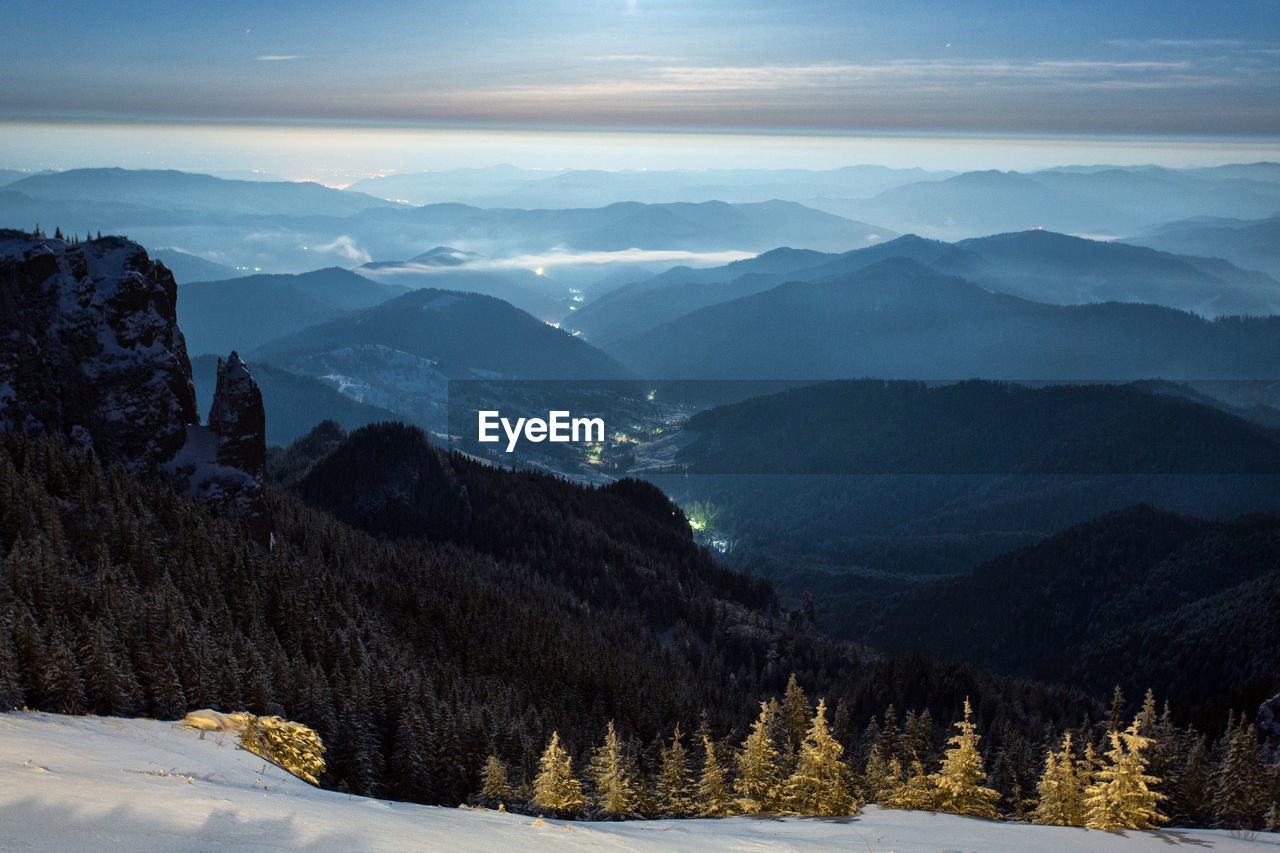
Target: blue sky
{"points": [[1135, 69]]}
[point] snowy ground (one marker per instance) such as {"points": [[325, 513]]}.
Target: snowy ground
{"points": [[99, 783]]}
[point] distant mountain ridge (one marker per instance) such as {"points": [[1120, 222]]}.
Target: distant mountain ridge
{"points": [[1253, 244], [705, 226], [1117, 201], [463, 332], [170, 189], [1136, 591], [245, 313], [899, 319], [1040, 266], [975, 427]]}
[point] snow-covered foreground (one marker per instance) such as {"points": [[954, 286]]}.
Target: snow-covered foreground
{"points": [[100, 783]]}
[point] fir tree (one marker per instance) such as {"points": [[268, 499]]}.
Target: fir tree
{"points": [[757, 785], [1240, 793], [410, 760], [878, 773], [795, 716], [915, 793], [493, 780], [1061, 789], [1121, 795], [612, 776], [918, 736], [11, 695], [820, 784], [674, 794], [713, 785], [1191, 800], [554, 788], [840, 723], [1117, 709], [959, 781]]}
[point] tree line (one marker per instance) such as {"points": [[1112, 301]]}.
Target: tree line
{"points": [[791, 762]]}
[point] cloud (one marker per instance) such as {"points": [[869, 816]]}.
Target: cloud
{"points": [[346, 247], [905, 74], [278, 57], [1192, 44], [558, 258]]}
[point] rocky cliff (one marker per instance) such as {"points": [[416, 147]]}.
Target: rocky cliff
{"points": [[90, 348]]}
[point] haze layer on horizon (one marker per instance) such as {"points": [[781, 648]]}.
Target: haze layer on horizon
{"points": [[338, 156]]}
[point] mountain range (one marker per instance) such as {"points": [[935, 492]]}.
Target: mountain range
{"points": [[1253, 244], [1037, 265], [1138, 590], [247, 312], [1117, 201], [900, 319], [975, 427]]}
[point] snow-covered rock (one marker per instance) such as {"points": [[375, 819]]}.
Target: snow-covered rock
{"points": [[90, 348], [100, 783]]}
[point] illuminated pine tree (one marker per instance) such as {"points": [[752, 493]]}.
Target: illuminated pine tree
{"points": [[820, 784], [494, 784], [916, 792], [555, 788], [757, 784], [612, 776], [958, 783], [894, 781], [1240, 793], [1061, 789], [713, 785], [1121, 795], [877, 774], [675, 794]]}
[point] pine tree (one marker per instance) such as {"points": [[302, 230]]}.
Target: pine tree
{"points": [[410, 760], [1240, 794], [1117, 709], [878, 773], [915, 793], [840, 723], [1273, 818], [958, 782], [1191, 801], [918, 736], [713, 786], [612, 776], [1061, 789], [674, 794], [1121, 796], [1147, 718], [757, 785], [555, 788], [795, 715], [820, 784], [493, 780], [11, 695]]}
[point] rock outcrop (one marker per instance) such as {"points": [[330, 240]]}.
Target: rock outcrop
{"points": [[90, 348]]}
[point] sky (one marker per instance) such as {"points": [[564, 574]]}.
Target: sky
{"points": [[1125, 69]]}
